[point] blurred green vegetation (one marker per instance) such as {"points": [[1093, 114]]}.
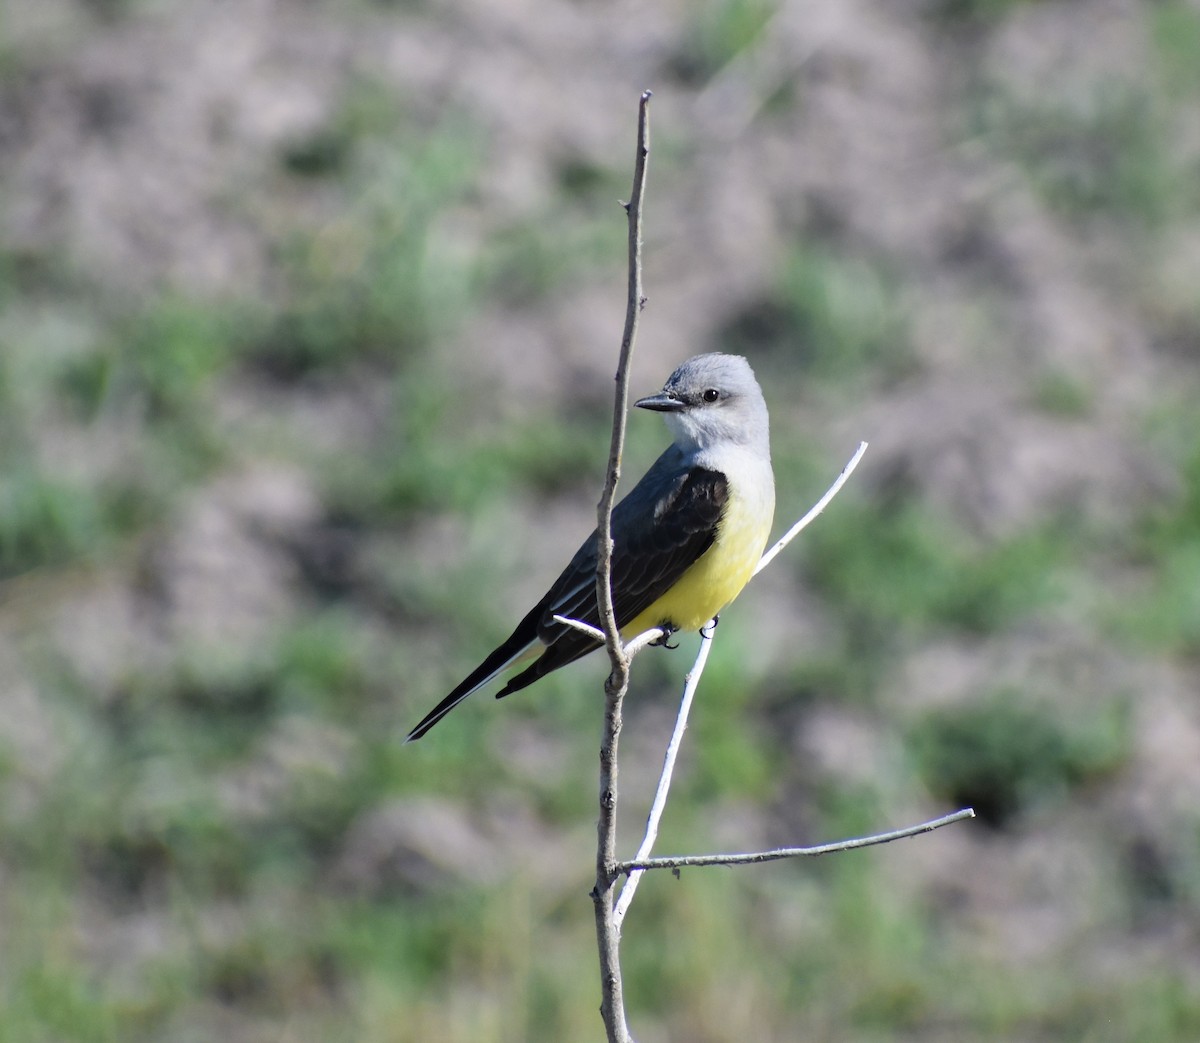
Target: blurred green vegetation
{"points": [[1109, 154], [1107, 160], [956, 12], [1165, 612], [1004, 755], [898, 567], [837, 317], [717, 32], [178, 863]]}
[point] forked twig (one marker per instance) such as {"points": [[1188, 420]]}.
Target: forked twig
{"points": [[692, 681], [610, 914]]}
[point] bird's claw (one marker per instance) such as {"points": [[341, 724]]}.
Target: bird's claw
{"points": [[665, 640]]}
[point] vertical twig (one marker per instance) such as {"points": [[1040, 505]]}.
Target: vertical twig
{"points": [[690, 683], [612, 1005]]}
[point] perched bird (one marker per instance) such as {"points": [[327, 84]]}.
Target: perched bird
{"points": [[686, 538]]}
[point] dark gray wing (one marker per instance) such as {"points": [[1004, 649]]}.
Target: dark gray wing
{"points": [[659, 530]]}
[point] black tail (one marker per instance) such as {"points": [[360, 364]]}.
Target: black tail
{"points": [[520, 638], [569, 645]]}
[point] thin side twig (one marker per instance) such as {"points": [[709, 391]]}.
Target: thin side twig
{"points": [[581, 626], [815, 510], [755, 857], [612, 1002], [643, 640], [632, 647]]}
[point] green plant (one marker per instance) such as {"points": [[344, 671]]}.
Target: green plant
{"points": [[1166, 547], [718, 32], [902, 567], [1105, 159], [835, 316], [1004, 754], [382, 278]]}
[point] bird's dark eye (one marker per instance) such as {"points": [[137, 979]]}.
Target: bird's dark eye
{"points": [[710, 394]]}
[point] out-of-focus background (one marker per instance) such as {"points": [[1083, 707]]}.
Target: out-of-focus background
{"points": [[308, 319]]}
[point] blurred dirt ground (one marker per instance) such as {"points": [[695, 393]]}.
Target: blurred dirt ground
{"points": [[967, 232]]}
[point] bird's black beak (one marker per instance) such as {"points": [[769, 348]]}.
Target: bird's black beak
{"points": [[660, 403]]}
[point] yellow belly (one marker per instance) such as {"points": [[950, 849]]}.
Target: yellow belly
{"points": [[717, 577]]}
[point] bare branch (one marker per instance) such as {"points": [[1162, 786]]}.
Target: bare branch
{"points": [[633, 309], [609, 916], [817, 508], [753, 858], [689, 690], [635, 644], [581, 626], [690, 684], [612, 1002], [632, 647]]}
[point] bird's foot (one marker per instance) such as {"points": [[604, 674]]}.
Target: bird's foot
{"points": [[706, 631], [665, 641]]}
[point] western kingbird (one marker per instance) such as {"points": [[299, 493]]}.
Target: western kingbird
{"points": [[685, 540]]}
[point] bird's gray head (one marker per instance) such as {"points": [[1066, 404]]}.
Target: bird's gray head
{"points": [[713, 400]]}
